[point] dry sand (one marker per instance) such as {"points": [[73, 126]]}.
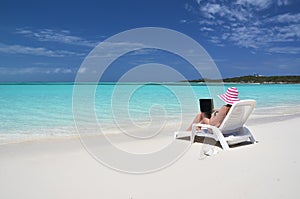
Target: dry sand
{"points": [[62, 168]]}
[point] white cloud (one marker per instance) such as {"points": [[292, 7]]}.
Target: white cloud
{"points": [[287, 33], [285, 50], [282, 2], [246, 36], [206, 29], [61, 36], [82, 70], [37, 51], [216, 41], [250, 24], [33, 70], [211, 9], [285, 18], [62, 70], [258, 4], [114, 49], [217, 13]]}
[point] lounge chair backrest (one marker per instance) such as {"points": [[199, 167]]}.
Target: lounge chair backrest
{"points": [[237, 116]]}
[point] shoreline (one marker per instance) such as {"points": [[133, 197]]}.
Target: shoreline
{"points": [[257, 118]]}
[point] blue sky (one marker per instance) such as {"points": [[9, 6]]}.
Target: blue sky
{"points": [[48, 40]]}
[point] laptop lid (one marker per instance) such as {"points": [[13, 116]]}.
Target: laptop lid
{"points": [[206, 105]]}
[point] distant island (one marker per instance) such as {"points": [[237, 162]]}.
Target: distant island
{"points": [[257, 79]]}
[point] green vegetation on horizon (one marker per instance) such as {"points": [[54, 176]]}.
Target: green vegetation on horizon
{"points": [[257, 79]]}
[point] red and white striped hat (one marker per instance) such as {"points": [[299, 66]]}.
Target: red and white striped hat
{"points": [[231, 96]]}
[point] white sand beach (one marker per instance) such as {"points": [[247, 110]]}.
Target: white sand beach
{"points": [[62, 168]]}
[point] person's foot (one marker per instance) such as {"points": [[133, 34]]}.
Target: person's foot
{"points": [[198, 128]]}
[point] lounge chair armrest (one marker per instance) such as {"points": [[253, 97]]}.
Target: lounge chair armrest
{"points": [[201, 125], [195, 131]]}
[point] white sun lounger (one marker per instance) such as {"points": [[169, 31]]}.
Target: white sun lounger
{"points": [[231, 131]]}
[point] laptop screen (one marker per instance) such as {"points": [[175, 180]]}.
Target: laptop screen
{"points": [[206, 105]]}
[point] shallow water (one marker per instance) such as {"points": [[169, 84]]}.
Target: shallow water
{"points": [[38, 110]]}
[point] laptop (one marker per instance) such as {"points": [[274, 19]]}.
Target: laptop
{"points": [[206, 106]]}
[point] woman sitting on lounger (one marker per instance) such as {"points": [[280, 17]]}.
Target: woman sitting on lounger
{"points": [[218, 115]]}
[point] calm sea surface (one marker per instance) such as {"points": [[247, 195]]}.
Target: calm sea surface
{"points": [[29, 110]]}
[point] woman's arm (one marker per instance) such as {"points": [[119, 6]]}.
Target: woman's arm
{"points": [[215, 109], [217, 117]]}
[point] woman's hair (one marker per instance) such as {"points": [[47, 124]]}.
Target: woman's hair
{"points": [[228, 108]]}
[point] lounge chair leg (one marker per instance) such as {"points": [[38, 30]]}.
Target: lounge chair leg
{"points": [[220, 138], [252, 139], [192, 137], [224, 144]]}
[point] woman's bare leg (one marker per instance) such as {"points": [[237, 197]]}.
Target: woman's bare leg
{"points": [[198, 119]]}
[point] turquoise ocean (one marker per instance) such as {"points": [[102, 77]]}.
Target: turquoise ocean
{"points": [[31, 110]]}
